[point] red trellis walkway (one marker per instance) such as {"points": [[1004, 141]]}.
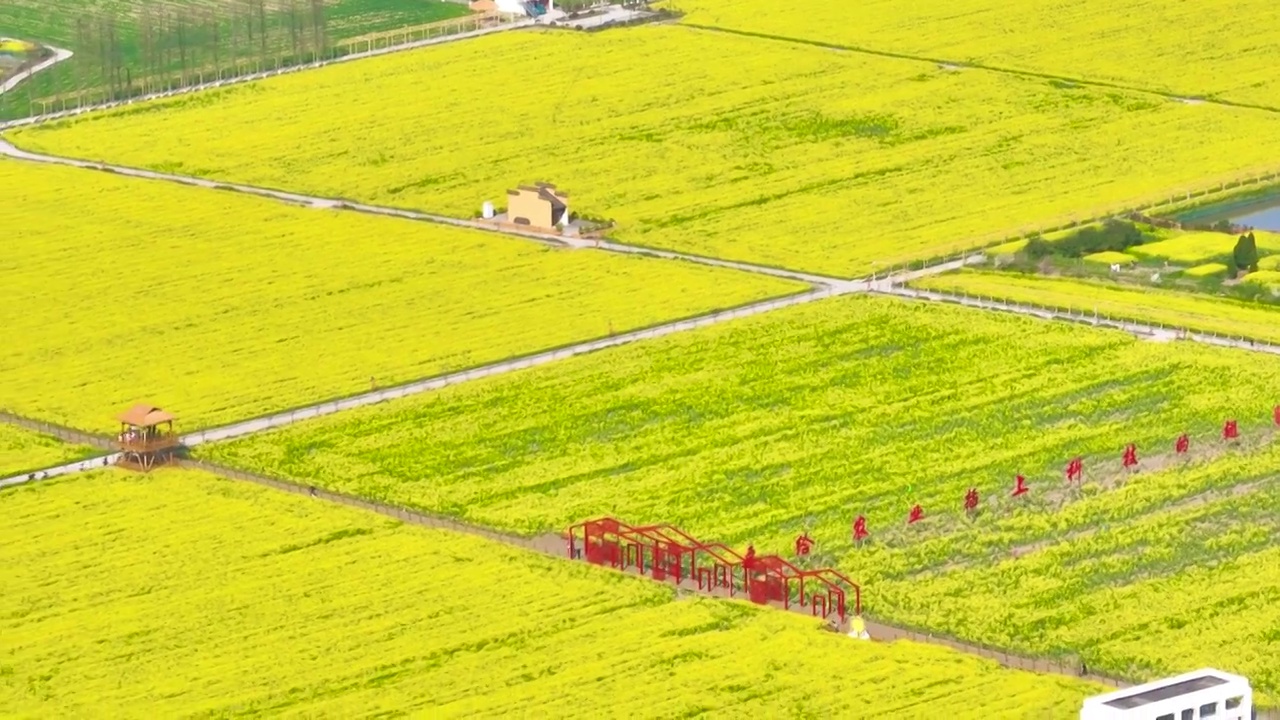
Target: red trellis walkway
{"points": [[669, 554]]}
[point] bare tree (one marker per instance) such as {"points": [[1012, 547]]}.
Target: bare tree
{"points": [[165, 34], [83, 40], [181, 19], [233, 37], [319, 39], [262, 28], [116, 56], [294, 29], [248, 16], [146, 44], [213, 21]]}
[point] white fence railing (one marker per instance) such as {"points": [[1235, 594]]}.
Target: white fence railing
{"points": [[290, 417], [1085, 316], [222, 80]]}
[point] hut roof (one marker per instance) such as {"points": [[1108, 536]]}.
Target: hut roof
{"points": [[144, 415]]}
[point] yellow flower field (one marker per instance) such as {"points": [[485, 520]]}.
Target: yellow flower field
{"points": [[1183, 310], [22, 450], [220, 306], [1172, 571], [184, 612], [801, 420], [1193, 248], [704, 142], [1170, 45]]}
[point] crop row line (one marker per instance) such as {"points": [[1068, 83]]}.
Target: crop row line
{"points": [[967, 64], [1160, 332]]}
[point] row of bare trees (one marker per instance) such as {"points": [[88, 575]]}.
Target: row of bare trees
{"points": [[179, 41]]}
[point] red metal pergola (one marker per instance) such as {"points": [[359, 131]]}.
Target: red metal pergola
{"points": [[667, 553]]}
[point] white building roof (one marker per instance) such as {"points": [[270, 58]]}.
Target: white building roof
{"points": [[1167, 689]]}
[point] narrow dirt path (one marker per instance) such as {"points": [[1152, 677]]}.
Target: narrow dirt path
{"points": [[556, 545]]}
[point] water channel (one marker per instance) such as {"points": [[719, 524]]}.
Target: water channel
{"points": [[1260, 210]]}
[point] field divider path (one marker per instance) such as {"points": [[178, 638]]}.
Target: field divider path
{"points": [[1137, 329], [289, 417], [62, 432], [9, 150], [556, 546], [93, 463], [58, 56], [968, 65]]}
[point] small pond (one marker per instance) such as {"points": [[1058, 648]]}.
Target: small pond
{"points": [[1256, 210]]}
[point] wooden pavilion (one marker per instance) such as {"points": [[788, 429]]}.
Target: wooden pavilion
{"points": [[146, 437]]}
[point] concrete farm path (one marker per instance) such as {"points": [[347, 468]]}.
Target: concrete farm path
{"points": [[58, 56], [373, 397], [1156, 333]]}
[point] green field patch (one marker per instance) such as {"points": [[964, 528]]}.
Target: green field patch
{"points": [[1206, 270], [1194, 248], [1110, 257], [1263, 277]]}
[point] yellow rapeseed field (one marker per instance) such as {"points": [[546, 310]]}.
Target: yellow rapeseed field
{"points": [[1171, 45], [214, 599], [1183, 310], [1193, 248], [220, 306], [799, 421], [22, 450], [705, 142]]}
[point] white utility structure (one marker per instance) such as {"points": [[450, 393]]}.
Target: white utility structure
{"points": [[1207, 693]]}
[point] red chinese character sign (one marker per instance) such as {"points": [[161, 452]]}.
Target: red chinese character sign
{"points": [[1230, 430], [971, 500], [1275, 415], [1075, 470], [1182, 445], [860, 529], [917, 514], [1020, 486], [804, 544], [1130, 456]]}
